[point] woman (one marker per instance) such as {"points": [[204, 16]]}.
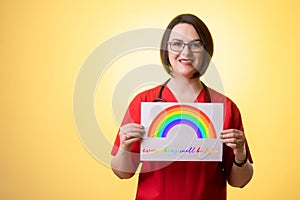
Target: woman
{"points": [[186, 50]]}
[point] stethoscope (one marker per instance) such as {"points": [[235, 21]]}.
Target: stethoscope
{"points": [[160, 99]]}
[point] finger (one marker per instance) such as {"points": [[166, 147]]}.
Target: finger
{"points": [[130, 141], [235, 147], [228, 131], [123, 137], [230, 140], [128, 129], [233, 136], [133, 135], [136, 130], [227, 135], [126, 136], [233, 140], [231, 131], [231, 145], [133, 125], [238, 135], [234, 144]]}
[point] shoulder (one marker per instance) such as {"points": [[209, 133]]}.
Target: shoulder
{"points": [[232, 115], [217, 97], [134, 109], [147, 95]]}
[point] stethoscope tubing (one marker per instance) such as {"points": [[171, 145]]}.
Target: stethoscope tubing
{"points": [[160, 99]]}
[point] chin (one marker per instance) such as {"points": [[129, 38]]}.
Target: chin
{"points": [[186, 74]]}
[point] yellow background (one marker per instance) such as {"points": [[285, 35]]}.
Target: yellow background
{"points": [[44, 43]]}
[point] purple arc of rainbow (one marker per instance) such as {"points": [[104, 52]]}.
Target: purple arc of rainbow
{"points": [[182, 115]]}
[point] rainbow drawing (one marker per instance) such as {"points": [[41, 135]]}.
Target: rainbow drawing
{"points": [[178, 115]]}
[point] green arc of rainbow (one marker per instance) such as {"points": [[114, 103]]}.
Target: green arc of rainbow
{"points": [[182, 115]]}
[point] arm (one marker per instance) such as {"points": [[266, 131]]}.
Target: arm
{"points": [[239, 176], [125, 163]]}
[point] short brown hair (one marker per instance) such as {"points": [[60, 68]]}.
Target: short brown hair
{"points": [[202, 31]]}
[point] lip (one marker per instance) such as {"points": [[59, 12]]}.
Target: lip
{"points": [[185, 61]]}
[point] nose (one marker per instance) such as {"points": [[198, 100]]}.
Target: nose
{"points": [[186, 50]]}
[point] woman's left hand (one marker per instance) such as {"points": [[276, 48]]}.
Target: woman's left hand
{"points": [[235, 139]]}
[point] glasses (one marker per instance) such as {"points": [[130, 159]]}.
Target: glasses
{"points": [[194, 46]]}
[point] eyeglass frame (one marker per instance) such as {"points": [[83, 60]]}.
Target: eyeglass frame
{"points": [[187, 44]]}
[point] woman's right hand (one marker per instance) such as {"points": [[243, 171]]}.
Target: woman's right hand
{"points": [[130, 133]]}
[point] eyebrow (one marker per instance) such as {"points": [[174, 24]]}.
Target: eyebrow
{"points": [[196, 40]]}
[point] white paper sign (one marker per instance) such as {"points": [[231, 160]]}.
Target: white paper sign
{"points": [[181, 131]]}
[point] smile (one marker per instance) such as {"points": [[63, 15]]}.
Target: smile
{"points": [[186, 61]]}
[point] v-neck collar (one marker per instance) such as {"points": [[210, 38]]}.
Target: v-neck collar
{"points": [[171, 97]]}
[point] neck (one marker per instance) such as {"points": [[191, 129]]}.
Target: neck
{"points": [[185, 89], [183, 84]]}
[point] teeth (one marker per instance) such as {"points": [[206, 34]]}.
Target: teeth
{"points": [[185, 61]]}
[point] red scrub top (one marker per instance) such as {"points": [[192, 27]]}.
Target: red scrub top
{"points": [[183, 179]]}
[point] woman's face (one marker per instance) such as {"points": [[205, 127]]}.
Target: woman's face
{"points": [[187, 61]]}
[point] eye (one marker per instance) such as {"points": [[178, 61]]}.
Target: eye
{"points": [[196, 45], [177, 44]]}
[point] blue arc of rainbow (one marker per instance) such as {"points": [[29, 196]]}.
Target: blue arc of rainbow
{"points": [[182, 115]]}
